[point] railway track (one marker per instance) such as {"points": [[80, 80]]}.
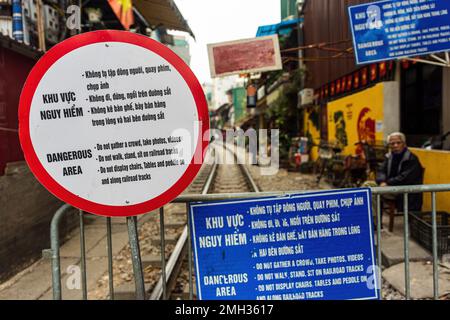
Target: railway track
{"points": [[216, 178]]}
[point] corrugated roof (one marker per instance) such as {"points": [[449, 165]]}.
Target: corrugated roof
{"points": [[163, 12]]}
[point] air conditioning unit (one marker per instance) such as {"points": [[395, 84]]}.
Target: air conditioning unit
{"points": [[306, 96]]}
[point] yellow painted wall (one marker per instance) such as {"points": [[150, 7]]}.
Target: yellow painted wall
{"points": [[436, 165], [358, 116], [312, 129]]}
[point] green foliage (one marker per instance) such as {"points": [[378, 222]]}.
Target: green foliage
{"points": [[284, 109]]}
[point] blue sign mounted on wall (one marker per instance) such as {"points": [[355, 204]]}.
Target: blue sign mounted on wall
{"points": [[298, 247], [394, 29]]}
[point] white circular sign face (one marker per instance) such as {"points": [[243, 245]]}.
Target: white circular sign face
{"points": [[112, 123]]}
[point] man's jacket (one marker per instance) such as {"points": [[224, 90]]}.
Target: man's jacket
{"points": [[410, 172]]}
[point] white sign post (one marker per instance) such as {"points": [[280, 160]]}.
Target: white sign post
{"points": [[113, 123]]}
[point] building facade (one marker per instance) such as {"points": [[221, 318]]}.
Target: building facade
{"points": [[369, 102]]}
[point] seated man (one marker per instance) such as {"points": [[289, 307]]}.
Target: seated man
{"points": [[401, 168]]}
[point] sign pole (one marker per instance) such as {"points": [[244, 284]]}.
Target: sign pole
{"points": [[136, 258]]}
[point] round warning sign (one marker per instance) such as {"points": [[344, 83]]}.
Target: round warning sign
{"points": [[113, 123]]}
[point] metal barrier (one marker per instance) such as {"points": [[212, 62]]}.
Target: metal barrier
{"points": [[56, 263], [186, 199]]}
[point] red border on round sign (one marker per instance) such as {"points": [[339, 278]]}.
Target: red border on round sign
{"points": [[67, 46]]}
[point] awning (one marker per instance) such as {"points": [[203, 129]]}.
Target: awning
{"points": [[163, 12], [281, 28], [19, 47]]}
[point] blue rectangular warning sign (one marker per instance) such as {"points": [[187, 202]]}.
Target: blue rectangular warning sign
{"points": [[303, 246], [394, 29]]}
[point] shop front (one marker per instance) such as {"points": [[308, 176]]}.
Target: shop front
{"points": [[356, 118], [371, 115]]}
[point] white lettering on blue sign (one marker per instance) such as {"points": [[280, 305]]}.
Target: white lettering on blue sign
{"points": [[313, 246], [395, 29]]}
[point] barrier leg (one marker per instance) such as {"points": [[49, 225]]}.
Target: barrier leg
{"points": [[136, 258]]}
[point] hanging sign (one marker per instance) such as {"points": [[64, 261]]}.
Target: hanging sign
{"points": [[394, 29], [112, 122], [244, 56]]}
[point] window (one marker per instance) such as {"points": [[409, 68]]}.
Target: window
{"points": [[421, 102]]}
